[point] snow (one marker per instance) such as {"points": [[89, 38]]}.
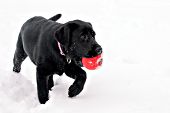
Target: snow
{"points": [[135, 74]]}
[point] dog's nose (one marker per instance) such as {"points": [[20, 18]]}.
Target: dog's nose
{"points": [[98, 50]]}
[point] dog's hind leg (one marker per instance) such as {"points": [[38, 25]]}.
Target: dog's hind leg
{"points": [[19, 55]]}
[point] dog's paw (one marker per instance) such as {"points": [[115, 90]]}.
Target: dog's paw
{"points": [[16, 69], [74, 90], [43, 100], [43, 97]]}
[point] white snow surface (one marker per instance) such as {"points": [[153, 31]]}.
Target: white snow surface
{"points": [[134, 78]]}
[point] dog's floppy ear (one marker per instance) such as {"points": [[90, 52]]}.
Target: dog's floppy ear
{"points": [[64, 33]]}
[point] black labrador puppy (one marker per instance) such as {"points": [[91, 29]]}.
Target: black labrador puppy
{"points": [[56, 48]]}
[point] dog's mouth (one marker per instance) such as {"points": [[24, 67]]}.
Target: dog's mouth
{"points": [[90, 55], [93, 53]]}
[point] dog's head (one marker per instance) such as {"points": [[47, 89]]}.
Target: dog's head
{"points": [[78, 39]]}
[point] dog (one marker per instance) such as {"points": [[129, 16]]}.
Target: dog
{"points": [[56, 48]]}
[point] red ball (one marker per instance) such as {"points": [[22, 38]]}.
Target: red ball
{"points": [[92, 63]]}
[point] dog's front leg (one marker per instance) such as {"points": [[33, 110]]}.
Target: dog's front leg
{"points": [[50, 82], [77, 73], [42, 85]]}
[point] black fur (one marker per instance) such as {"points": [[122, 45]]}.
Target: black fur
{"points": [[39, 39], [56, 17]]}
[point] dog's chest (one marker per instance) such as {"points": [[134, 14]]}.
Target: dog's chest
{"points": [[59, 67]]}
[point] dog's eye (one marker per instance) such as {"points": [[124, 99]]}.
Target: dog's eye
{"points": [[93, 33], [84, 38]]}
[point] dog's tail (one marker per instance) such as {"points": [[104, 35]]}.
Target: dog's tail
{"points": [[56, 17]]}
